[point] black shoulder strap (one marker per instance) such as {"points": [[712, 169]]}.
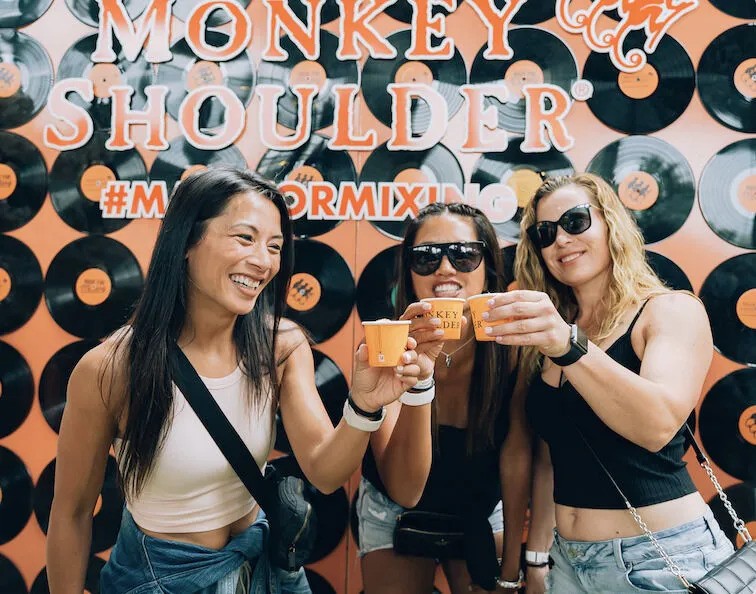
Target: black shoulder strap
{"points": [[220, 429], [637, 315]]}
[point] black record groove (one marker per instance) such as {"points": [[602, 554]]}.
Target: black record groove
{"points": [[433, 166], [182, 8], [312, 162], [91, 579], [11, 580], [742, 496], [324, 73], [26, 77], [643, 101], [88, 11], [727, 78], [318, 584], [523, 173], [727, 193], [185, 72], [402, 10], [539, 57], [78, 178], [653, 180], [443, 76], [182, 158], [669, 272], [107, 518], [742, 9], [727, 422], [333, 389], [76, 63], [329, 12], [23, 181], [530, 13], [54, 380], [20, 284], [508, 258], [16, 389], [376, 288], [729, 294], [321, 292], [19, 13], [92, 285], [16, 487]]}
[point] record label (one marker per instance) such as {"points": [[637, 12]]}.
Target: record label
{"points": [[308, 72], [305, 292], [93, 181], [413, 72], [747, 194], [5, 283], [10, 79], [638, 191], [204, 74], [746, 308], [305, 175], [8, 181], [521, 73], [641, 84], [104, 76], [745, 78], [747, 424], [524, 183], [93, 286]]}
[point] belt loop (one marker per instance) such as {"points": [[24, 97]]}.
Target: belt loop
{"points": [[617, 551]]}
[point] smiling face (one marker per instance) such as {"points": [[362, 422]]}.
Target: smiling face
{"points": [[238, 255], [447, 281], [575, 260]]}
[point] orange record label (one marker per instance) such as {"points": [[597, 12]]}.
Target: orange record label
{"points": [[746, 193], [414, 72], [93, 286], [747, 424], [746, 308], [192, 169], [638, 190], [8, 181], [745, 78], [411, 175], [305, 175], [10, 79], [93, 181], [521, 73], [308, 72], [104, 76], [203, 74], [524, 182], [304, 292], [5, 284], [641, 84]]}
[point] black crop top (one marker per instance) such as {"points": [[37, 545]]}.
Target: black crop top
{"points": [[645, 477]]}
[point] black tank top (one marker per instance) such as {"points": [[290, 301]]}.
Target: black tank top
{"points": [[645, 477]]}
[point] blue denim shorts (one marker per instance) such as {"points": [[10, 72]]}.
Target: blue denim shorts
{"points": [[377, 516], [627, 565]]}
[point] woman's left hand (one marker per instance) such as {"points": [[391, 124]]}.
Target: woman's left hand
{"points": [[528, 318]]}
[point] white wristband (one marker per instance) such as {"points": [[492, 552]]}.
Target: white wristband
{"points": [[418, 398], [424, 384], [536, 557], [359, 422]]}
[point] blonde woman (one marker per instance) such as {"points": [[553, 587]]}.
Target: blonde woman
{"points": [[616, 361]]}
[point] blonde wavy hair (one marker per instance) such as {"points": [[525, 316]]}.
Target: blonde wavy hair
{"points": [[631, 280]]}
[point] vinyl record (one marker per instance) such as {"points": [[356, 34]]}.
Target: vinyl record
{"points": [[523, 173], [88, 11], [530, 13], [91, 579], [26, 77], [20, 284], [727, 422], [16, 389], [11, 580], [539, 57], [643, 101], [653, 180], [727, 78], [729, 294], [742, 9], [376, 288], [318, 584], [185, 72], [669, 272], [324, 73], [182, 8], [54, 380], [76, 63], [23, 181], [312, 162], [443, 76], [16, 487], [727, 193], [433, 166], [181, 159], [329, 12], [742, 496], [508, 256], [19, 13], [107, 516], [78, 178], [402, 10], [321, 291], [92, 285], [333, 389]]}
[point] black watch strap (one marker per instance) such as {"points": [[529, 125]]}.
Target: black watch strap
{"points": [[578, 348]]}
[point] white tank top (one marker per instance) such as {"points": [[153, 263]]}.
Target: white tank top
{"points": [[192, 487]]}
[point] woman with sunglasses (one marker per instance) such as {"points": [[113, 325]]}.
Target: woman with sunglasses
{"points": [[479, 443], [616, 363]]}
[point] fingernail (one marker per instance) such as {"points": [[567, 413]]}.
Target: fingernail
{"points": [[438, 332], [426, 305], [406, 358], [491, 303], [399, 369], [484, 315], [488, 330]]}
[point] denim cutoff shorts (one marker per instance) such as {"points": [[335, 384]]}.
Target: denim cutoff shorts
{"points": [[377, 516], [628, 565]]}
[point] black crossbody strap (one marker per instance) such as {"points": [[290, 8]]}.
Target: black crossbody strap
{"points": [[221, 430]]}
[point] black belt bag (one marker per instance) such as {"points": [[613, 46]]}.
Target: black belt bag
{"points": [[430, 534]]}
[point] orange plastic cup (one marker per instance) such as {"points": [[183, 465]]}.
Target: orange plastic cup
{"points": [[449, 311], [386, 341], [479, 304]]}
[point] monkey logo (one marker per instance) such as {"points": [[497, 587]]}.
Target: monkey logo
{"points": [[304, 292], [747, 425]]}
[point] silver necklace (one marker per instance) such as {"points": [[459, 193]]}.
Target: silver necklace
{"points": [[449, 355]]}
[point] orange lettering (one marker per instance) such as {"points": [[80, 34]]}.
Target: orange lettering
{"points": [[355, 24], [239, 38], [114, 19], [280, 16], [424, 27], [70, 114], [122, 118], [540, 122]]}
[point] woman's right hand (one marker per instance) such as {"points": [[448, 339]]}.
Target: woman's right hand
{"points": [[428, 335]]}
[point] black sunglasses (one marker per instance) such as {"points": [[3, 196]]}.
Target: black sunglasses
{"points": [[574, 221], [465, 256]]}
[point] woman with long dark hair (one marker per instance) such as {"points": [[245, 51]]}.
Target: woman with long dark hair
{"points": [[480, 447], [215, 289]]}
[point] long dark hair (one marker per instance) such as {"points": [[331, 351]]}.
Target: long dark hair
{"points": [[161, 314], [490, 363]]}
